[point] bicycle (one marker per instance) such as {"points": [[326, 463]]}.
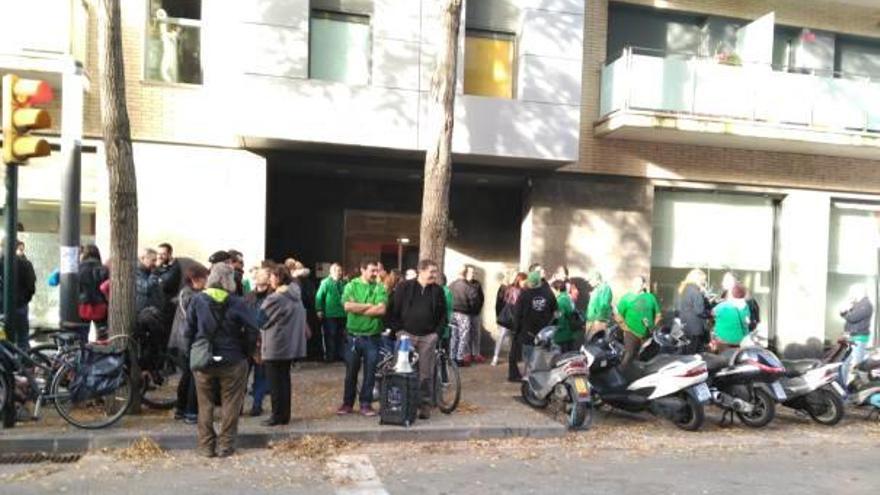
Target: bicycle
{"points": [[20, 383]]}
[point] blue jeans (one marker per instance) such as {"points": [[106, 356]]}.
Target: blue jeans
{"points": [[334, 339], [855, 357], [358, 350], [22, 336], [260, 385]]}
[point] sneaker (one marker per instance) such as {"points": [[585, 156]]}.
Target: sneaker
{"points": [[368, 411], [344, 410], [190, 419], [494, 361], [256, 411], [479, 359], [179, 415]]}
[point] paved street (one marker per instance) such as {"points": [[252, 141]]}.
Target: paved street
{"points": [[587, 462]]}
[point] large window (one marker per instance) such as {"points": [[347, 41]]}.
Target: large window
{"points": [[488, 63], [715, 232], [339, 47], [173, 50], [854, 240]]}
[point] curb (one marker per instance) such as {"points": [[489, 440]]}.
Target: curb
{"points": [[259, 440]]}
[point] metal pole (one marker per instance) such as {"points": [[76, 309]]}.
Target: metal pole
{"points": [[71, 136], [9, 286]]}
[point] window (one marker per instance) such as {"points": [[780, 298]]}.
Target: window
{"points": [[173, 51], [716, 232], [488, 63], [339, 47]]}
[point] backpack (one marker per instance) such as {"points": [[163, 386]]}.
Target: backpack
{"points": [[201, 354], [754, 313]]}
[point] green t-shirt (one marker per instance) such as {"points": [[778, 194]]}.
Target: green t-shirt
{"points": [[635, 309], [599, 308], [565, 308], [731, 321], [358, 291], [328, 300]]}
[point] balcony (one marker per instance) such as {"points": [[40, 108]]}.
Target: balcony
{"points": [[651, 96]]}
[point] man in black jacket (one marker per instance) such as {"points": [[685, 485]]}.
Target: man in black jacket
{"points": [[419, 312], [534, 310], [467, 303], [25, 287]]}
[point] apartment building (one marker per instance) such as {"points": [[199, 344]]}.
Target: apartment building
{"points": [[632, 137]]}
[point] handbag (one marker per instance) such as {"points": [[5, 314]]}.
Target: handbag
{"points": [[201, 354], [505, 317]]}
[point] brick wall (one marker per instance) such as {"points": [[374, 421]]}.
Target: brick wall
{"points": [[705, 163]]}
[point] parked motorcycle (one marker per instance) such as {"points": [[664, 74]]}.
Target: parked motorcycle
{"points": [[863, 383], [672, 387], [556, 376], [743, 381]]}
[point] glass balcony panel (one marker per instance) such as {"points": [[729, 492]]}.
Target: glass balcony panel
{"points": [[782, 98], [671, 89], [613, 90], [837, 104], [724, 91]]}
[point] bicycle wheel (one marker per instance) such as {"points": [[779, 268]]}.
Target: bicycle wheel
{"points": [[92, 413], [447, 384], [159, 389]]}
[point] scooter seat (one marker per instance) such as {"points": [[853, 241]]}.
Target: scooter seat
{"points": [[638, 369], [869, 364], [714, 362], [800, 366]]}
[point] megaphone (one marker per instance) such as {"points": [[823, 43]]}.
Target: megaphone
{"points": [[404, 348]]}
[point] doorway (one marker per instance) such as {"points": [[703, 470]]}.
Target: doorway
{"points": [[391, 238]]}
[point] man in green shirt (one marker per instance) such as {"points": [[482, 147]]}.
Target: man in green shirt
{"points": [[328, 303], [636, 311], [364, 300], [599, 310]]}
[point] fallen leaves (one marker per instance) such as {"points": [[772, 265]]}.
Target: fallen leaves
{"points": [[142, 450], [318, 448]]}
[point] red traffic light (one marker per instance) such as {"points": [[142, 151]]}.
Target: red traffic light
{"points": [[32, 92]]}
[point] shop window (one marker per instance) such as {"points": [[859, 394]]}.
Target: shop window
{"points": [[854, 240], [716, 233], [488, 64], [339, 47], [173, 45]]}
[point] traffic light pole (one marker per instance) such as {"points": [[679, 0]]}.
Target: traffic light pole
{"points": [[71, 148], [9, 282]]}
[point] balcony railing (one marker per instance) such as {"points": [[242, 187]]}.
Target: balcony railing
{"points": [[681, 84]]}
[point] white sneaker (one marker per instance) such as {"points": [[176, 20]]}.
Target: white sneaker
{"points": [[494, 361]]}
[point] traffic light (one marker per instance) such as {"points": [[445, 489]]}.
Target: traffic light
{"points": [[20, 117]]}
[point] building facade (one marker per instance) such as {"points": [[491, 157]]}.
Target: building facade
{"points": [[630, 137]]}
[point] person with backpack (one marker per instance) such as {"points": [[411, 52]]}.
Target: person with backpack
{"points": [[221, 332], [504, 317], [92, 303]]}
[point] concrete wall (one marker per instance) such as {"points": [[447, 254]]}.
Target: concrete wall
{"points": [[600, 222], [198, 199]]}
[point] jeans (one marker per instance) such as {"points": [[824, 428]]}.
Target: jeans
{"points": [[260, 386], [503, 334], [187, 401], [334, 339], [856, 356], [513, 359], [278, 375], [22, 336], [476, 334], [527, 350], [360, 350]]}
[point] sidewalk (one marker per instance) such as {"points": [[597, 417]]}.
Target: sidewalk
{"points": [[490, 408]]}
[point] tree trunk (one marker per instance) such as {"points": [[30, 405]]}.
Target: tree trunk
{"points": [[441, 117], [123, 183]]}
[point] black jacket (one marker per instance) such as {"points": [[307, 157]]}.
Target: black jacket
{"points": [[25, 280], [691, 309], [534, 310], [91, 275], [500, 299], [467, 297], [168, 282], [146, 289], [403, 297], [858, 318], [234, 337]]}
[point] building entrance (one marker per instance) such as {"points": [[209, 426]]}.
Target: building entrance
{"points": [[391, 238]]}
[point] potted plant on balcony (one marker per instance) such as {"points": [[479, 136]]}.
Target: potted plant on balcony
{"points": [[728, 58]]}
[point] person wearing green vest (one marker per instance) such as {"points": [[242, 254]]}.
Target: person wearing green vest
{"points": [[731, 319], [565, 335], [364, 300], [599, 310], [328, 303], [637, 312]]}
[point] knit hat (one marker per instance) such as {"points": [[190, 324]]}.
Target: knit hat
{"points": [[534, 279], [219, 257]]}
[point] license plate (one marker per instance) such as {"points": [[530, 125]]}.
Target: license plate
{"points": [[580, 385], [778, 391], [837, 388], [702, 391]]}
